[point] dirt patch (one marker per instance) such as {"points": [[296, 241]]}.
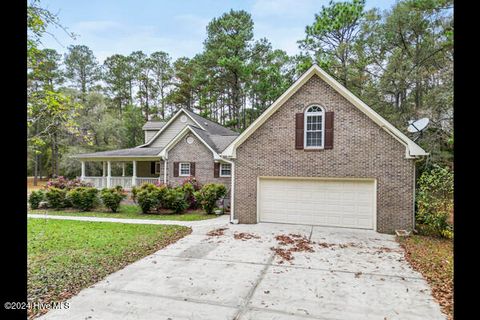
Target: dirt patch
{"points": [[244, 236], [291, 243], [217, 232]]}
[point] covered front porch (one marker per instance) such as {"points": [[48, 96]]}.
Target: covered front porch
{"points": [[114, 172]]}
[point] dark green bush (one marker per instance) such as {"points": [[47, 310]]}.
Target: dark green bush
{"points": [[35, 198], [189, 191], [83, 198], [112, 197], [435, 202], [209, 194], [57, 198], [174, 199], [150, 197]]}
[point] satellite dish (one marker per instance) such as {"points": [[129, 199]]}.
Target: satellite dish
{"points": [[418, 125]]}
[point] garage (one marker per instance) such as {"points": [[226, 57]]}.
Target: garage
{"points": [[348, 203]]}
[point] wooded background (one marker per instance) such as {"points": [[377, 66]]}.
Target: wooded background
{"points": [[399, 62]]}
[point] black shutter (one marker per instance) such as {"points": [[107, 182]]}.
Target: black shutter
{"points": [[175, 169], [299, 120], [328, 130], [216, 170], [152, 167], [192, 169]]}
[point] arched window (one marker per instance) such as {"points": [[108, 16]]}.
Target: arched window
{"points": [[314, 127]]}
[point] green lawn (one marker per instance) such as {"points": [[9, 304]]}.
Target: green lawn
{"points": [[433, 257], [128, 211], [67, 256]]}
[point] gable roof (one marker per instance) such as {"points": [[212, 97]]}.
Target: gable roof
{"points": [[210, 126], [154, 125], [202, 137], [200, 122], [412, 149]]}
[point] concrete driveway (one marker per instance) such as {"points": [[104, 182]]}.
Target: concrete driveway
{"points": [[351, 274]]}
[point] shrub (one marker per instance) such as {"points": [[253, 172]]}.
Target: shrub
{"points": [[35, 198], [64, 183], [193, 182], [83, 198], [111, 198], [209, 194], [189, 191], [435, 201], [147, 200], [57, 198], [150, 197], [174, 199]]}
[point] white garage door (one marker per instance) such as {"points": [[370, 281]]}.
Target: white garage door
{"points": [[340, 203]]}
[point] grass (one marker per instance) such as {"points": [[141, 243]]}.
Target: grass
{"points": [[433, 258], [67, 256], [129, 211]]}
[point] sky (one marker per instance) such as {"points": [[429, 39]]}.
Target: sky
{"points": [[177, 27]]}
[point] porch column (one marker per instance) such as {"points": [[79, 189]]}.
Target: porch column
{"points": [[134, 175], [104, 171], [109, 174], [165, 171], [83, 171], [123, 169]]}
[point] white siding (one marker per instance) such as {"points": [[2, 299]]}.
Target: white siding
{"points": [[170, 132], [149, 134]]}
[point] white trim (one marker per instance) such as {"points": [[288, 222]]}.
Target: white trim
{"points": [[375, 213], [412, 149], [220, 173], [307, 114], [168, 124], [180, 169], [179, 136]]}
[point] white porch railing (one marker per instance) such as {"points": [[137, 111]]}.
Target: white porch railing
{"points": [[125, 182], [141, 180]]}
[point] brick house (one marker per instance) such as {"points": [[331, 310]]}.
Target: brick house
{"points": [[318, 156]]}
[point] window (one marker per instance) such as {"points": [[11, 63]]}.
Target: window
{"points": [[314, 127], [225, 170], [157, 167], [184, 169]]}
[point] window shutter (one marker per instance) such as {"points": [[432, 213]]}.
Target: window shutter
{"points": [[299, 121], [192, 169], [216, 170], [152, 167], [328, 130], [175, 169]]}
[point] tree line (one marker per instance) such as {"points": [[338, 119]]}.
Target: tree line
{"points": [[399, 61]]}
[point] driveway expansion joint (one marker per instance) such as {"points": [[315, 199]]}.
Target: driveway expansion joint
{"points": [[244, 306]]}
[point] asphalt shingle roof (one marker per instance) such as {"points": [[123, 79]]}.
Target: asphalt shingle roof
{"points": [[153, 125], [131, 152], [210, 126]]}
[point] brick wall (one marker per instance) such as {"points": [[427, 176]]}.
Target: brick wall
{"points": [[196, 152], [361, 149]]}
